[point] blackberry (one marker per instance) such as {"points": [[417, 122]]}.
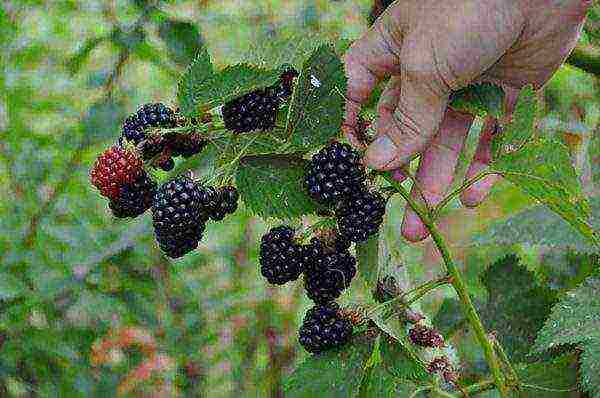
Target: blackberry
{"points": [[226, 202], [135, 198], [334, 173], [425, 337], [166, 164], [186, 145], [323, 329], [178, 216], [328, 271], [148, 115], [443, 367], [256, 110], [280, 257], [360, 216], [116, 167]]}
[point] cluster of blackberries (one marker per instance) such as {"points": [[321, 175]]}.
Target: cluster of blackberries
{"points": [[336, 177], [180, 207], [137, 130], [328, 269], [257, 110]]}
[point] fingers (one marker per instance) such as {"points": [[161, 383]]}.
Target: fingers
{"points": [[367, 62], [415, 121], [476, 193], [436, 169]]}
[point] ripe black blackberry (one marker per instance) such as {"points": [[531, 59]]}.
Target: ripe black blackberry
{"points": [[280, 257], [148, 115], [334, 173], [425, 337], [178, 216], [328, 271], [134, 198], [323, 329], [256, 110], [360, 215], [226, 203]]}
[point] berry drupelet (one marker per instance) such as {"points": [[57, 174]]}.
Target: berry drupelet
{"points": [[323, 329], [116, 167], [178, 216], [148, 115], [360, 215], [280, 257], [328, 270], [134, 198], [334, 173]]}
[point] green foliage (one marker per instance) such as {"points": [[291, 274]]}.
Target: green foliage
{"points": [[479, 99], [521, 127], [556, 378], [542, 168], [575, 320], [540, 226], [11, 287], [333, 374], [317, 105], [273, 186], [183, 40], [517, 306], [366, 367], [198, 75]]}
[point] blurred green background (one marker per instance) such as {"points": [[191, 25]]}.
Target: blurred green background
{"points": [[89, 306]]}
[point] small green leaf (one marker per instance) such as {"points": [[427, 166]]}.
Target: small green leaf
{"points": [[517, 305], [479, 99], [10, 286], [396, 361], [183, 40], [316, 109], [196, 77], [576, 320], [540, 226], [450, 317], [521, 127], [543, 169], [272, 186], [335, 373]]}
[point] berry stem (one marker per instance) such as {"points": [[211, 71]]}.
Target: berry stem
{"points": [[459, 286], [476, 388]]}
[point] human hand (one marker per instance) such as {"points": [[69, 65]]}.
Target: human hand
{"points": [[430, 48]]}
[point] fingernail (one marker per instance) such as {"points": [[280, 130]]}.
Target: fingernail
{"points": [[381, 152]]}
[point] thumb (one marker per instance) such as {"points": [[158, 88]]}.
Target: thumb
{"points": [[421, 105]]}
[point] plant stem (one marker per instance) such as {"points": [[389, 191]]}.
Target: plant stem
{"points": [[458, 191], [459, 287], [512, 374], [478, 387]]}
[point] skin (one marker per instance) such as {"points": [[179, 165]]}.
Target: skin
{"points": [[430, 48]]}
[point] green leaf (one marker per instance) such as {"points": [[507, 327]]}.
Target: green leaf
{"points": [[540, 226], [449, 317], [272, 186], [479, 99], [517, 305], [520, 129], [335, 373], [367, 257], [11, 286], [396, 361], [183, 40], [553, 379], [576, 320], [316, 109], [196, 77], [542, 169], [208, 91]]}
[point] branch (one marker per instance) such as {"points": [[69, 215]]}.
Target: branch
{"points": [[586, 57], [459, 287]]}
